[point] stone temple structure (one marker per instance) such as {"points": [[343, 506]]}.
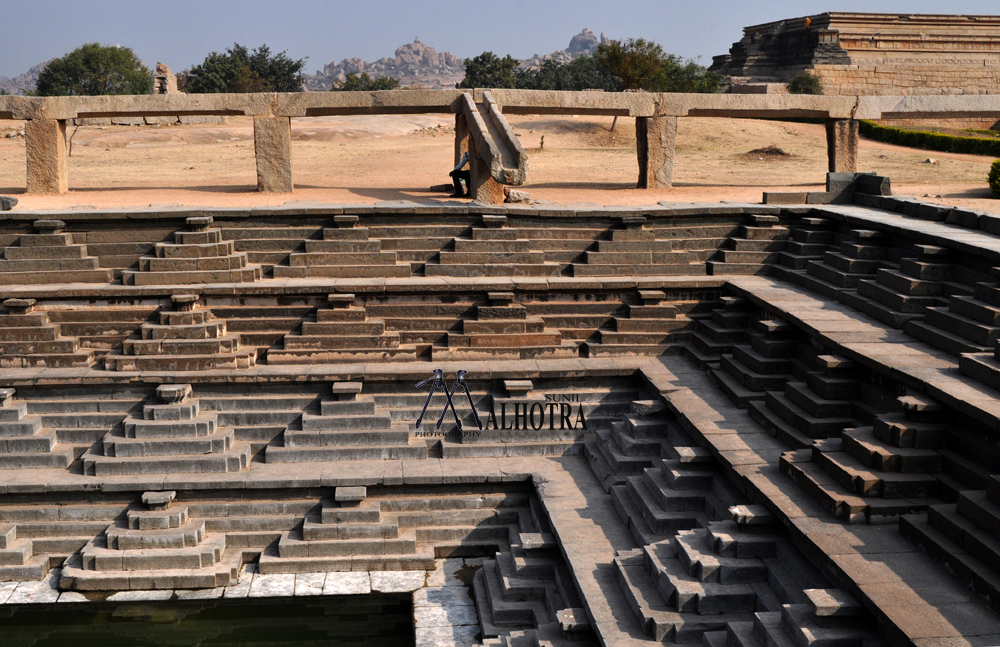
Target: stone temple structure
{"points": [[870, 54], [739, 425]]}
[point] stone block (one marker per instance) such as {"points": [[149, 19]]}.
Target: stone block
{"points": [[7, 203], [45, 152], [656, 139], [351, 495], [158, 500], [173, 393], [272, 137]]}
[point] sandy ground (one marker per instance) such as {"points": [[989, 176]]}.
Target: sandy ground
{"points": [[371, 158]]}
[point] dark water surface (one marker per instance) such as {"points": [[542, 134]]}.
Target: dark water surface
{"points": [[369, 620]]}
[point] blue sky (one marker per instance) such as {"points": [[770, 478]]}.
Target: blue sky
{"points": [[181, 32]]}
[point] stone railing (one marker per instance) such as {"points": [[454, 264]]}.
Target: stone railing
{"points": [[498, 157]]}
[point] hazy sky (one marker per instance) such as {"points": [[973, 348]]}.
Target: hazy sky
{"points": [[181, 32]]}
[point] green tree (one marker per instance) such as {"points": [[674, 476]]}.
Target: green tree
{"points": [[4, 93], [994, 179], [805, 83], [240, 70], [364, 83], [95, 69], [490, 71], [643, 65], [583, 73]]}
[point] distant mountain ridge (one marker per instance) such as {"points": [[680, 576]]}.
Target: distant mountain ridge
{"points": [[26, 81]]}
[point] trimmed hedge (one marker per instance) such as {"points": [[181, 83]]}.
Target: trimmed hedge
{"points": [[994, 179], [930, 141]]}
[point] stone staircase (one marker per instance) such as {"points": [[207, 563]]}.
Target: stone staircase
{"points": [[828, 617], [24, 441], [196, 256], [349, 427], [493, 250], [342, 332], [708, 579], [753, 248], [650, 327], [28, 338], [525, 593], [970, 323], [48, 257], [406, 531], [172, 436], [634, 249], [346, 251], [99, 329], [503, 330], [187, 338], [716, 333], [155, 546], [963, 535]]}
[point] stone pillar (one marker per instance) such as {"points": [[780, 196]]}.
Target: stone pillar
{"points": [[272, 142], [655, 139], [45, 144], [842, 142], [461, 136], [482, 187]]}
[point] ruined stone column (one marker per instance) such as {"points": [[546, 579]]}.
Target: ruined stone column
{"points": [[482, 187], [45, 144], [655, 139], [842, 142], [272, 142], [461, 136]]}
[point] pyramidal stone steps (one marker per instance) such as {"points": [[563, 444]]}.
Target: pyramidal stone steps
{"points": [[493, 250], [196, 256], [159, 547], [29, 339], [171, 436], [50, 256], [187, 338]]}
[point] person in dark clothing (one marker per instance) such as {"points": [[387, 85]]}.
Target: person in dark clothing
{"points": [[457, 175]]}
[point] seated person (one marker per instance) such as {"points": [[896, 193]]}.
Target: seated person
{"points": [[457, 175]]}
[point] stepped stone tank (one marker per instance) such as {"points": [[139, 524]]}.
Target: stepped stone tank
{"points": [[726, 424]]}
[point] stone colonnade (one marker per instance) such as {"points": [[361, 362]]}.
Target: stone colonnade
{"points": [[655, 145]]}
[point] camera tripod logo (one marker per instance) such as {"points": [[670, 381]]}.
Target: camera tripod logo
{"points": [[438, 382]]}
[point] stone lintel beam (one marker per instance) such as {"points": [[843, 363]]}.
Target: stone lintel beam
{"points": [[45, 153], [272, 139], [842, 143], [655, 141]]}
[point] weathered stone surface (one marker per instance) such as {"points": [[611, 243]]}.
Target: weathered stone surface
{"points": [[656, 138], [7, 203], [842, 141], [45, 144], [272, 137]]}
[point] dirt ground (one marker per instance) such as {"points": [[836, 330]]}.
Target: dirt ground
{"points": [[366, 159]]}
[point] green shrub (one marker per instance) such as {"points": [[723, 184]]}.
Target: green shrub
{"points": [[805, 83], [994, 179], [930, 141]]}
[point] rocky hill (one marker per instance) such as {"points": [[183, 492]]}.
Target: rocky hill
{"points": [[26, 81], [419, 65], [415, 64]]}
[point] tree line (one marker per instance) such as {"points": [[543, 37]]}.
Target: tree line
{"points": [[632, 64]]}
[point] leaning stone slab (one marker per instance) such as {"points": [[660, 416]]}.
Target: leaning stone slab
{"points": [[397, 581]]}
